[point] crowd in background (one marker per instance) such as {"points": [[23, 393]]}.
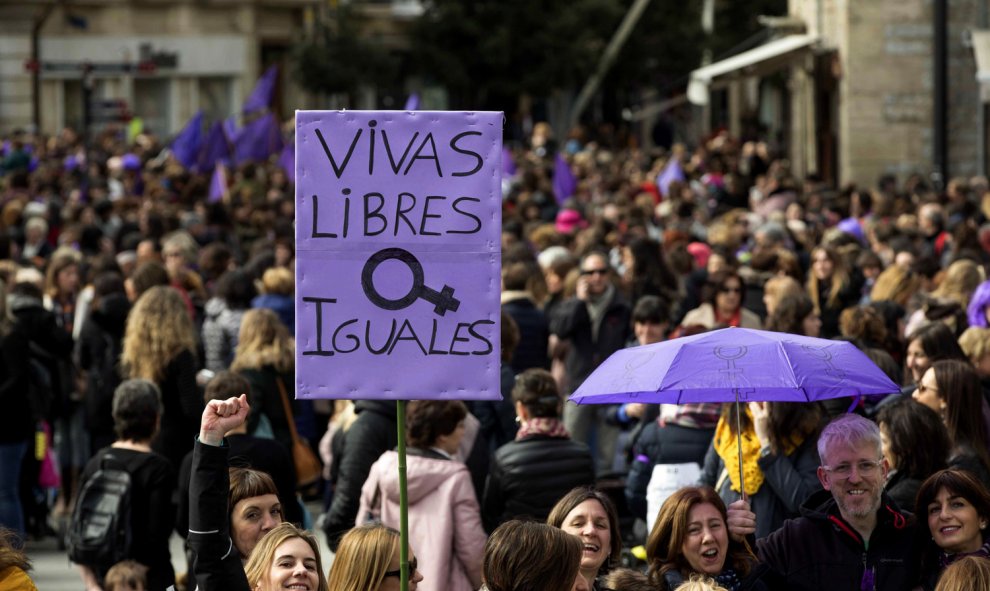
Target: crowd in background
{"points": [[127, 280]]}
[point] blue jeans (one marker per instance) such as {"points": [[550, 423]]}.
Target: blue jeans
{"points": [[11, 513]]}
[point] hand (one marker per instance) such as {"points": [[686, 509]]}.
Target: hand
{"points": [[761, 421], [222, 416], [742, 521], [581, 291], [635, 410]]}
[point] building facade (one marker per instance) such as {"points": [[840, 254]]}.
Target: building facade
{"points": [[160, 60]]}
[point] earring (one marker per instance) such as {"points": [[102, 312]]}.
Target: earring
{"points": [[518, 420], [983, 525]]}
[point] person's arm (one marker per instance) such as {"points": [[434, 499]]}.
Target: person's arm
{"points": [[711, 468], [469, 536], [218, 563], [90, 580]]}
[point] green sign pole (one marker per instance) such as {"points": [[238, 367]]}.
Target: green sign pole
{"points": [[400, 420]]}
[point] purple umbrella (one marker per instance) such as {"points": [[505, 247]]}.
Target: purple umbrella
{"points": [[735, 365]]}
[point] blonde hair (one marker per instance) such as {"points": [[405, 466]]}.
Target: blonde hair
{"points": [[264, 554], [779, 286], [363, 557], [126, 575], [158, 329], [62, 259], [278, 280], [969, 573], [895, 284], [838, 281], [960, 281], [263, 340], [700, 583], [975, 343]]}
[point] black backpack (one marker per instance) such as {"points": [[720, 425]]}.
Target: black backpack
{"points": [[100, 533]]}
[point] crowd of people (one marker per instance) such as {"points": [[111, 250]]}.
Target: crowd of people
{"points": [[148, 328]]}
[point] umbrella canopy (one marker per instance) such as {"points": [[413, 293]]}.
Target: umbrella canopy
{"points": [[735, 364]]}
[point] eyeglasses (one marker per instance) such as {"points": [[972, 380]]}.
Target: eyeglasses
{"points": [[864, 468], [730, 290], [595, 272], [398, 572]]}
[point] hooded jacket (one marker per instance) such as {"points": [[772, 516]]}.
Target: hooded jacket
{"points": [[444, 518], [220, 331], [821, 551]]}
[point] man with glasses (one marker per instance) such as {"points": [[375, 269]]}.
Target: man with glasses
{"points": [[850, 536], [596, 323]]}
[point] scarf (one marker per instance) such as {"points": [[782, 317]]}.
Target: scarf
{"points": [[549, 427], [727, 446], [944, 560], [729, 579], [597, 308]]}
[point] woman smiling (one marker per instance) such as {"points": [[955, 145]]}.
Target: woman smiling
{"points": [[591, 516], [691, 537], [957, 508]]}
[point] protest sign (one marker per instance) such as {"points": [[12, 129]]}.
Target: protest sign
{"points": [[398, 226]]}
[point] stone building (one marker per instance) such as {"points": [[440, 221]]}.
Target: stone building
{"points": [[160, 60], [857, 98]]}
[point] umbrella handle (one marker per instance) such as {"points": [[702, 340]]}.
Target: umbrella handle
{"points": [[742, 478]]}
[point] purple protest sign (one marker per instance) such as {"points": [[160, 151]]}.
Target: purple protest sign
{"points": [[398, 224]]}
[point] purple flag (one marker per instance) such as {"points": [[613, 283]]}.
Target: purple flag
{"points": [[288, 162], [412, 103], [397, 255], [186, 145], [261, 97], [508, 164], [564, 183], [258, 140], [230, 128], [218, 183], [670, 173], [215, 149]]}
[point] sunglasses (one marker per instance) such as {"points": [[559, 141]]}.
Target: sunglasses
{"points": [[398, 572], [730, 290], [595, 272]]}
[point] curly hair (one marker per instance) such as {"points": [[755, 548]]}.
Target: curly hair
{"points": [[264, 340], [863, 323], [158, 329]]}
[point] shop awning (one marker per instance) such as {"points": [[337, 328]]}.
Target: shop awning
{"points": [[757, 61], [981, 50]]}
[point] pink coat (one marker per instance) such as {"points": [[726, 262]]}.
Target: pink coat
{"points": [[445, 529]]}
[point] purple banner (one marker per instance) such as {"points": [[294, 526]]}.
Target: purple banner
{"points": [[398, 224]]}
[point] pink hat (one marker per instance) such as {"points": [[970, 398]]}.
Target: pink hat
{"points": [[568, 220], [700, 251]]}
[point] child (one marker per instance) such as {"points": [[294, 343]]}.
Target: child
{"points": [[126, 575]]}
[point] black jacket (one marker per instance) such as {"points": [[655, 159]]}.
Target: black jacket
{"points": [[902, 489], [97, 353], [217, 562], [670, 444], [529, 476], [534, 334], [788, 481], [572, 322], [821, 551], [372, 434]]}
